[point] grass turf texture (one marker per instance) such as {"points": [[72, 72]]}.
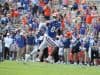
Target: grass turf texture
{"points": [[18, 68]]}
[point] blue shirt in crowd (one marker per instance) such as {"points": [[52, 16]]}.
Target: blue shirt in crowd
{"points": [[30, 40], [20, 40]]}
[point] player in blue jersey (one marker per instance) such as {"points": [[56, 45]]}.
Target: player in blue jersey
{"points": [[53, 27], [49, 38]]}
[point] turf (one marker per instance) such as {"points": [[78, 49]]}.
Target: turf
{"points": [[18, 68]]}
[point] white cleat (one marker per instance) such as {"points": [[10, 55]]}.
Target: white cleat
{"points": [[50, 59], [37, 60], [75, 63], [27, 56]]}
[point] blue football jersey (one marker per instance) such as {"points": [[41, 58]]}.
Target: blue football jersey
{"points": [[52, 28]]}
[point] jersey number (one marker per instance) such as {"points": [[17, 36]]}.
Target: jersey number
{"points": [[53, 29]]}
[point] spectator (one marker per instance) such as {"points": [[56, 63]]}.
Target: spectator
{"points": [[86, 45], [1, 8], [30, 41], [75, 6], [46, 1], [47, 12], [1, 49], [4, 20], [35, 10], [8, 41], [20, 40], [13, 50], [41, 6], [5, 8], [94, 53], [75, 50], [77, 1], [67, 43]]}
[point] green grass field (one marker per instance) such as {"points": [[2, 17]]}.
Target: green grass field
{"points": [[18, 68]]}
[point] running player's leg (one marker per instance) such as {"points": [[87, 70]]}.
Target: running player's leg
{"points": [[42, 46], [35, 51], [33, 54], [53, 44]]}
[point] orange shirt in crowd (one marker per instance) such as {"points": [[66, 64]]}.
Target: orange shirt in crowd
{"points": [[42, 3], [89, 19], [83, 1], [47, 11], [77, 1], [14, 13], [68, 34]]}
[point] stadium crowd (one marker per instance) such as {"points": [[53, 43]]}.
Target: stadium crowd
{"points": [[24, 23]]}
